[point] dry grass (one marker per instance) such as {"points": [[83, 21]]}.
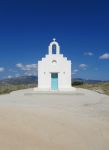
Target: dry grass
{"points": [[4, 89], [102, 87]]}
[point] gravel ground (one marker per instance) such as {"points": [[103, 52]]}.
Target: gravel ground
{"points": [[54, 121]]}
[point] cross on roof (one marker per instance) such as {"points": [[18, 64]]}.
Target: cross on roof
{"points": [[54, 39]]}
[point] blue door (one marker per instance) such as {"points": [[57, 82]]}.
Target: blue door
{"points": [[54, 81]]}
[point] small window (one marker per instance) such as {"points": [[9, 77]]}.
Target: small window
{"points": [[54, 62]]}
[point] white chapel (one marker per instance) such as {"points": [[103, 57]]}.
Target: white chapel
{"points": [[54, 70]]}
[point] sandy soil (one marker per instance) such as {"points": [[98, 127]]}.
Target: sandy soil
{"points": [[77, 121]]}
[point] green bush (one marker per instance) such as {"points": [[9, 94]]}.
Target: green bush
{"points": [[76, 83]]}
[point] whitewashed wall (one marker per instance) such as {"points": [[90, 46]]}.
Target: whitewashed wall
{"points": [[46, 67]]}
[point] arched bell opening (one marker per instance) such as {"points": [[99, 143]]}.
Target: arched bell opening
{"points": [[54, 49]]}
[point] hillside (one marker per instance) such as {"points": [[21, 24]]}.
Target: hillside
{"points": [[20, 80], [101, 87], [24, 82], [13, 84]]}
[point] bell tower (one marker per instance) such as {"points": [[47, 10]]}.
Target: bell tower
{"points": [[56, 45]]}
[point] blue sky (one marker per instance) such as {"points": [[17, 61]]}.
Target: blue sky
{"points": [[80, 27]]}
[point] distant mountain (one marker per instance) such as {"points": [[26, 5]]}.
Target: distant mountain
{"points": [[34, 80], [88, 81], [20, 80]]}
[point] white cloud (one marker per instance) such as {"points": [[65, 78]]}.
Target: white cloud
{"points": [[2, 69], [19, 65], [9, 76], [29, 69], [30, 66], [83, 66], [104, 56], [28, 74], [88, 53], [17, 75], [75, 71]]}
